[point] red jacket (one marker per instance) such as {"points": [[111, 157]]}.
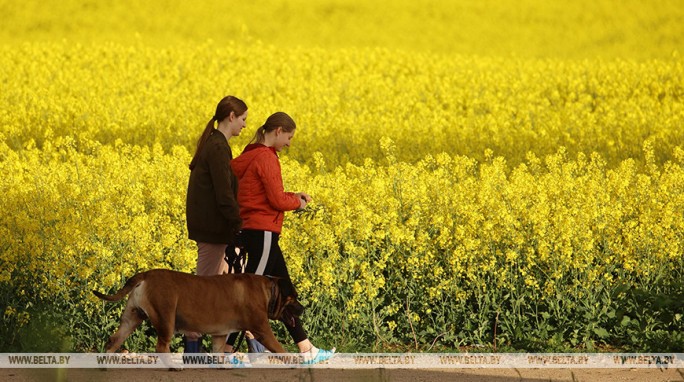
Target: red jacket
{"points": [[261, 195]]}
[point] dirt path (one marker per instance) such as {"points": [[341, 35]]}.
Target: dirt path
{"points": [[337, 375]]}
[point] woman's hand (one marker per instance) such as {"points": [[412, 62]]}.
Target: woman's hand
{"points": [[304, 199]]}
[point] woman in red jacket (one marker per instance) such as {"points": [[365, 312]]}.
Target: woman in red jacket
{"points": [[263, 202], [212, 212]]}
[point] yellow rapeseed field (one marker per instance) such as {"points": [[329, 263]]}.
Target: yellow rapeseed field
{"points": [[499, 173]]}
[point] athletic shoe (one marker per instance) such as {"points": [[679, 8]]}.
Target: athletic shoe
{"points": [[316, 356]]}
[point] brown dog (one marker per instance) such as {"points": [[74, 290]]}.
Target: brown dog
{"points": [[216, 305]]}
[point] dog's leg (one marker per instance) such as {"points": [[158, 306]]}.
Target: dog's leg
{"points": [[265, 335], [131, 318], [164, 337], [162, 315], [218, 343]]}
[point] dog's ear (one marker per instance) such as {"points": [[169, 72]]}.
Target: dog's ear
{"points": [[294, 306], [291, 311], [286, 288]]}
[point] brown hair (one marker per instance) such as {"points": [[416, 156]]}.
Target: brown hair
{"points": [[227, 105], [274, 121]]}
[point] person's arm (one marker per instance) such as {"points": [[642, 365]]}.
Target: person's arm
{"points": [[271, 176]]}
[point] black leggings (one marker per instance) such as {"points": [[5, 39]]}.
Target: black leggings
{"points": [[264, 257]]}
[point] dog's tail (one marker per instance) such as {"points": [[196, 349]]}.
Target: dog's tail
{"points": [[127, 288]]}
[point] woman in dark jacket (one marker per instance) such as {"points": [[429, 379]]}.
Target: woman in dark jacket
{"points": [[212, 211]]}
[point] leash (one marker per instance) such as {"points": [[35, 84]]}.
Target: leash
{"points": [[238, 342], [236, 263]]}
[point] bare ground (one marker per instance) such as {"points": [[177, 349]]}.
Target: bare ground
{"points": [[339, 375]]}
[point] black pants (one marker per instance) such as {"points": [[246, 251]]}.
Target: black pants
{"points": [[264, 257]]}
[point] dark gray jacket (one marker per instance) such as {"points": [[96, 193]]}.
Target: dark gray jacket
{"points": [[212, 212]]}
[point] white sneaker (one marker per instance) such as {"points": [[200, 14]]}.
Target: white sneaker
{"points": [[315, 356]]}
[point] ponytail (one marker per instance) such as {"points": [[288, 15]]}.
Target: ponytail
{"points": [[259, 135], [200, 142]]}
